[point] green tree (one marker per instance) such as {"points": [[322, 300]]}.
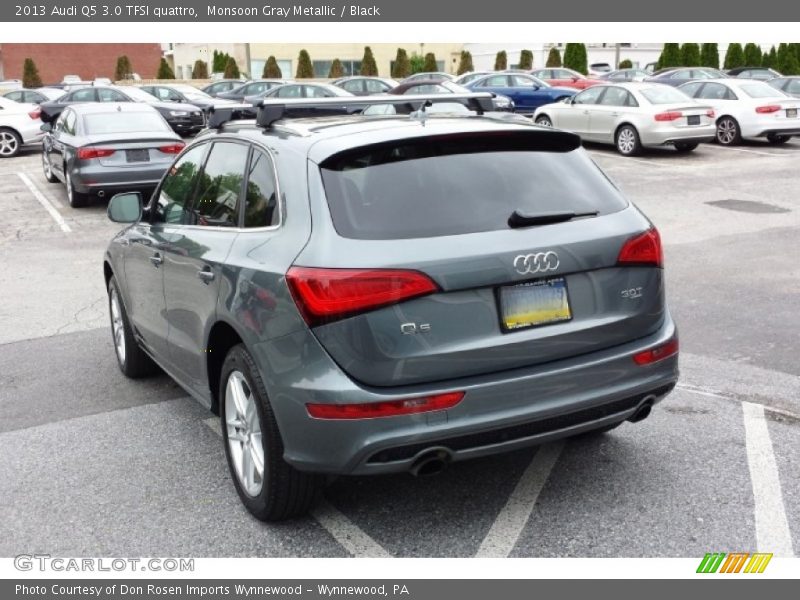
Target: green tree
{"points": [[734, 57], [465, 63], [337, 70], [402, 66], [787, 62], [164, 70], [553, 58], [625, 64], [796, 48], [575, 58], [305, 70], [752, 55], [670, 56], [690, 55], [368, 66], [124, 69], [501, 61], [200, 70], [769, 59], [271, 69], [30, 74], [231, 69], [218, 62], [709, 56], [417, 63], [526, 60], [430, 65]]}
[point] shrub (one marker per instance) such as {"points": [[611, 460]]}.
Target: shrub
{"points": [[231, 69], [200, 70], [575, 58], [368, 66], [670, 57], [526, 60], [553, 58], [752, 55], [271, 69], [501, 61], [164, 70], [124, 69], [734, 57], [625, 64], [690, 55], [770, 59], [305, 70], [417, 63], [465, 63], [430, 63], [787, 62], [402, 66], [709, 56], [337, 70], [30, 74]]}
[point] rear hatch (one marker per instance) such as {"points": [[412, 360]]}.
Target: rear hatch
{"points": [[128, 138], [422, 274]]}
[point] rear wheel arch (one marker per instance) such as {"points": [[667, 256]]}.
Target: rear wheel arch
{"points": [[222, 337]]}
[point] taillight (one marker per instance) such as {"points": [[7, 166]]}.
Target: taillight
{"points": [[771, 108], [326, 294], [172, 148], [391, 408], [668, 116], [643, 249], [87, 153], [710, 113], [35, 114], [648, 357]]}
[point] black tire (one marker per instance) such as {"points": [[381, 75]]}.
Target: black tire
{"points": [[728, 131], [684, 147], [778, 139], [76, 198], [285, 492], [47, 169], [10, 142], [544, 121], [133, 362], [627, 141]]}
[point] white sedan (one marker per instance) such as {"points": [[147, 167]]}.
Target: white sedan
{"points": [[20, 124], [632, 116], [747, 109]]}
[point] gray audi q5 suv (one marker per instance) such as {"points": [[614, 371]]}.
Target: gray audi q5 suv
{"points": [[366, 295]]}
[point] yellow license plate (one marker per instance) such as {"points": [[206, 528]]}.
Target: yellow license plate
{"points": [[534, 303]]}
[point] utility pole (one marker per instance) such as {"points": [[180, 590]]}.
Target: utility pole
{"points": [[616, 55]]}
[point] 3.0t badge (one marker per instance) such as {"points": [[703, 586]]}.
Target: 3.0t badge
{"points": [[539, 262]]}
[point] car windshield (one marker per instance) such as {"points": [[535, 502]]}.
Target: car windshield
{"points": [[138, 95], [125, 122], [663, 94], [442, 186], [759, 90]]}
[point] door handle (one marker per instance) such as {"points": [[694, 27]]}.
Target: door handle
{"points": [[206, 275], [157, 260], [615, 114]]}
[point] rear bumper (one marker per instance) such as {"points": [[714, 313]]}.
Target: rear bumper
{"points": [[93, 179], [790, 131], [499, 412], [670, 136]]}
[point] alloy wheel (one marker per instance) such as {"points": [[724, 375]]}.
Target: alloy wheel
{"points": [[48, 171], [117, 327], [544, 122], [8, 143], [726, 131], [244, 434], [69, 186], [626, 141]]}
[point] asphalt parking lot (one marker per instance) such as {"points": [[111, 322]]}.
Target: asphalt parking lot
{"points": [[97, 465]]}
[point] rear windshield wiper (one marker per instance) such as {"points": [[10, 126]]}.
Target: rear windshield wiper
{"points": [[519, 219]]}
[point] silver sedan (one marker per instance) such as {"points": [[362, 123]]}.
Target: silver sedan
{"points": [[632, 116]]}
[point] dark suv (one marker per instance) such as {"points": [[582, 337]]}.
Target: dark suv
{"points": [[363, 295]]}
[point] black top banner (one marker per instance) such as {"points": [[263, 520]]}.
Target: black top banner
{"points": [[400, 10]]}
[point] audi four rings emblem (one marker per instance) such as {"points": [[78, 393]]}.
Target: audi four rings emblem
{"points": [[541, 262]]}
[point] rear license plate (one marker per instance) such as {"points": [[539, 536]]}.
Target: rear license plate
{"points": [[791, 113], [693, 120], [534, 303], [137, 155]]}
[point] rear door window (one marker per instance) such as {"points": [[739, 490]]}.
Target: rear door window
{"points": [[220, 187], [457, 185]]}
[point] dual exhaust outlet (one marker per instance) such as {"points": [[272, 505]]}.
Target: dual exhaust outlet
{"points": [[436, 460]]}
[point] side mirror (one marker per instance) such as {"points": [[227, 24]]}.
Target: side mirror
{"points": [[46, 127], [125, 207]]}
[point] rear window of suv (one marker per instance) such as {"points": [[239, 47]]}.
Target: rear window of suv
{"points": [[457, 185]]}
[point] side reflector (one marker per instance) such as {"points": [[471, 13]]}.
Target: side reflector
{"points": [[391, 408], [658, 353]]}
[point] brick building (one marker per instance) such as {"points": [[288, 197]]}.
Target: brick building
{"points": [[85, 60]]}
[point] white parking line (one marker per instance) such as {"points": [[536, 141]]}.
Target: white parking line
{"points": [[652, 163], [718, 147], [772, 527], [348, 534], [508, 525], [44, 202]]}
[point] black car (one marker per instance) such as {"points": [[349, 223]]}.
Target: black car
{"points": [[788, 85], [183, 93], [359, 85], [760, 73], [183, 118], [681, 75], [251, 88], [223, 85]]}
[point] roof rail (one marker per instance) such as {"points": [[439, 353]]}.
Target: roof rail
{"points": [[267, 111]]}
